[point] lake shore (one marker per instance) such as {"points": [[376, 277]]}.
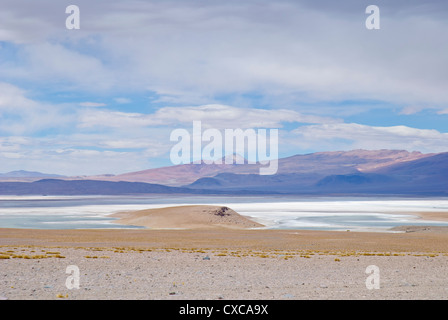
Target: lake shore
{"points": [[419, 241]]}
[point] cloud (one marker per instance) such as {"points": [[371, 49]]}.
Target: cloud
{"points": [[54, 65], [214, 116], [113, 119], [408, 110], [92, 104], [122, 100], [283, 63], [75, 161], [22, 115], [12, 97], [207, 49], [346, 136], [79, 154]]}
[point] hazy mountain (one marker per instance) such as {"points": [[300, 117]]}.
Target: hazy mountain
{"points": [[27, 176], [345, 172], [281, 183], [84, 187], [434, 165], [321, 164], [327, 174], [339, 162]]}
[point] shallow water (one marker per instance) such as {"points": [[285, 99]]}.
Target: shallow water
{"points": [[276, 212]]}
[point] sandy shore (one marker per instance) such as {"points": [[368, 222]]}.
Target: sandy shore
{"points": [[187, 217], [435, 216], [231, 239]]}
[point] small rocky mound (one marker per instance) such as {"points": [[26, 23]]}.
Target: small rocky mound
{"points": [[187, 217]]}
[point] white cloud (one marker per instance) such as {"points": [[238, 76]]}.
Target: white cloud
{"points": [[206, 49], [123, 100], [347, 136], [77, 154], [113, 119], [190, 53], [13, 98], [408, 110], [53, 64], [20, 114], [215, 116], [92, 104], [78, 161]]}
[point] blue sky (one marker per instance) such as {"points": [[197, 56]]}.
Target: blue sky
{"points": [[105, 98]]}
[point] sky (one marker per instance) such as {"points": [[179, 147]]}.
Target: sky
{"points": [[105, 98]]}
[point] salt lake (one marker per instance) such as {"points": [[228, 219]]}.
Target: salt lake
{"points": [[275, 212]]}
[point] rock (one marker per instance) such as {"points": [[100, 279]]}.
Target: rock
{"points": [[323, 286], [222, 212], [206, 258], [3, 298], [288, 296], [407, 284]]}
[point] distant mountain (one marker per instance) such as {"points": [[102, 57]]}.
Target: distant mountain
{"points": [[340, 162], [357, 180], [85, 187], [344, 173], [179, 175], [319, 164], [391, 172], [28, 174], [279, 183], [435, 166]]}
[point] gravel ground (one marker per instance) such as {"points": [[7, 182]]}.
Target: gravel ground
{"points": [[39, 273]]}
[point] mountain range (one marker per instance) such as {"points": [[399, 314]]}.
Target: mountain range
{"points": [[391, 172], [22, 175]]}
